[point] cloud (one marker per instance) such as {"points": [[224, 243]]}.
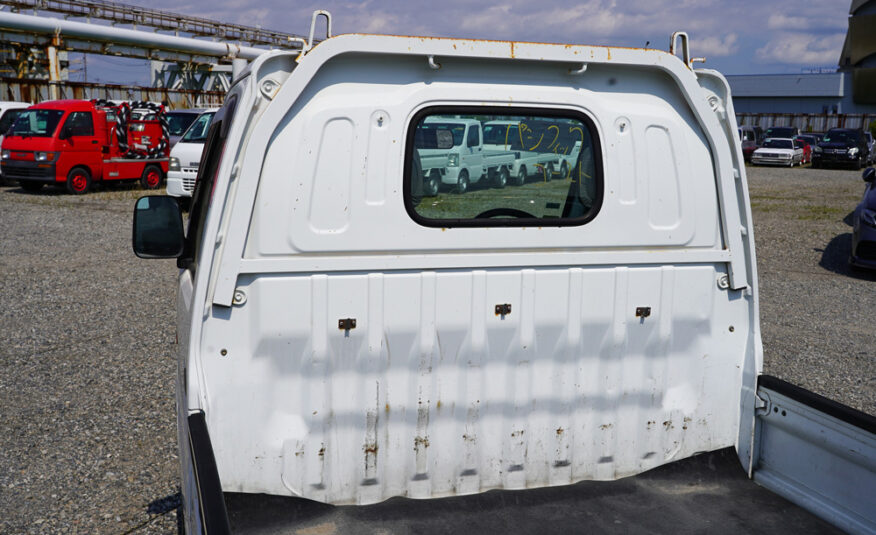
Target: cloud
{"points": [[715, 46], [802, 49], [778, 21]]}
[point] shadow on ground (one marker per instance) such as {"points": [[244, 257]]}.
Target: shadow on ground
{"points": [[835, 257]]}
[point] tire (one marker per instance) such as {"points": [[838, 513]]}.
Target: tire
{"points": [[548, 172], [152, 177], [432, 184], [78, 181], [462, 182], [501, 178], [815, 165], [564, 170], [520, 179]]}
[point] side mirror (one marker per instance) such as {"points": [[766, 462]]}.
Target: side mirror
{"points": [[869, 174], [158, 227], [66, 132]]}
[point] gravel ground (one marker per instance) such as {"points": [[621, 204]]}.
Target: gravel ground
{"points": [[87, 429]]}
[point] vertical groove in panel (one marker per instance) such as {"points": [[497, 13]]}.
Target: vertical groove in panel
{"points": [[488, 430], [373, 371], [654, 429], [610, 368], [468, 480], [672, 428], [420, 485], [319, 390], [521, 371], [560, 460]]}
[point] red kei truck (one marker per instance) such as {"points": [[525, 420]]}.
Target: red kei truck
{"points": [[79, 143]]}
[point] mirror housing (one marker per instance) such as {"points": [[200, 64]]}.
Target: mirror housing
{"points": [[869, 174], [158, 227]]}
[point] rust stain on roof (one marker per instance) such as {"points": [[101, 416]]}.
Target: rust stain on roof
{"points": [[511, 43]]}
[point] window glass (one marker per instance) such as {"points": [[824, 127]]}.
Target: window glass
{"points": [[778, 144], [197, 132], [40, 123], [532, 167], [473, 135], [7, 119], [178, 122], [80, 124], [202, 196]]}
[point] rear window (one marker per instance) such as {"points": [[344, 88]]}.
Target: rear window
{"points": [[781, 131], [778, 144], [841, 136], [530, 167]]}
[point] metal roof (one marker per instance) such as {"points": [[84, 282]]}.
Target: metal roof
{"points": [[787, 85]]}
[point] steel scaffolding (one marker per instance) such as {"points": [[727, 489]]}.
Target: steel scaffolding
{"points": [[161, 20]]}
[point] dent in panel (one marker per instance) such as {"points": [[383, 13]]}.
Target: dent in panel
{"points": [[330, 206]]}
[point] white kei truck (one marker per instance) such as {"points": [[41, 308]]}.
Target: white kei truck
{"points": [[452, 152], [341, 343]]}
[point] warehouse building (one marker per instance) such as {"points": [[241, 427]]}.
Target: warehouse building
{"points": [[850, 90]]}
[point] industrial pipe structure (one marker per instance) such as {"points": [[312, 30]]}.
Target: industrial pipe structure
{"points": [[92, 38]]}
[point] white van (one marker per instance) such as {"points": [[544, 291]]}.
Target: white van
{"points": [[186, 155], [341, 342], [9, 111]]}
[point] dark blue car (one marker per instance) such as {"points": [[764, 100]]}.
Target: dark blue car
{"points": [[864, 225]]}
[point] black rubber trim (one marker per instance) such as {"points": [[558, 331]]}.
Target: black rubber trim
{"points": [[212, 501], [839, 411]]}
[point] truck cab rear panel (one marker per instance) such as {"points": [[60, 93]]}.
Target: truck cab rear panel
{"points": [[344, 352]]}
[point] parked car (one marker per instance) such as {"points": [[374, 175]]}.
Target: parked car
{"points": [[871, 146], [9, 111], [782, 131], [179, 121], [185, 156], [806, 145], [843, 147], [748, 137], [864, 225], [778, 151]]}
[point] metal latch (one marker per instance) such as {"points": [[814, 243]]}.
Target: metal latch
{"points": [[346, 324], [503, 310], [643, 312]]}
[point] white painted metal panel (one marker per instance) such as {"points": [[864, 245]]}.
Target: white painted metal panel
{"points": [[394, 92], [433, 394]]}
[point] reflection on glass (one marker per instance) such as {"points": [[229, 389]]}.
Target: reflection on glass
{"points": [[518, 167]]}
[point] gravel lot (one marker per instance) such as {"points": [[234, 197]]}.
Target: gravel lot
{"points": [[87, 429]]}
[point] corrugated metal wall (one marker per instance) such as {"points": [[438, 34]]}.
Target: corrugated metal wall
{"points": [[807, 122]]}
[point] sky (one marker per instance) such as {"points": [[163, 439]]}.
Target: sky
{"points": [[735, 36]]}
